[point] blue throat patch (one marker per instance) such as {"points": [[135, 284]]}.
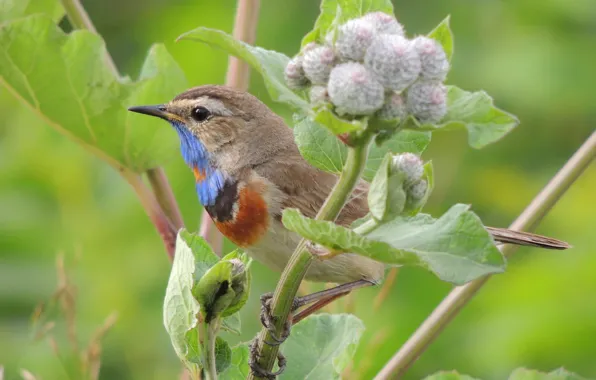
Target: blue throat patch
{"points": [[196, 156]]}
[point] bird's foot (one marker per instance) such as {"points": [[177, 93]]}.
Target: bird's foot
{"points": [[253, 363]]}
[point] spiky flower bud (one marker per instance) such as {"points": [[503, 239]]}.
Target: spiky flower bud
{"points": [[393, 60], [427, 101], [411, 165], [434, 63], [318, 95], [394, 107], [294, 74], [417, 191], [354, 90], [353, 38], [318, 63], [384, 23], [308, 47]]}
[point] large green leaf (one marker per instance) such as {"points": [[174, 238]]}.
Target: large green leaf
{"points": [[321, 346], [238, 369], [336, 12], [66, 81], [12, 9], [449, 375], [475, 112], [455, 247], [270, 64], [322, 149], [180, 308], [530, 374]]}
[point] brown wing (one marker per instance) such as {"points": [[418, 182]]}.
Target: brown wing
{"points": [[504, 235], [306, 188]]}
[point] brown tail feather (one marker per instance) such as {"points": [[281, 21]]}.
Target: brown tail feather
{"points": [[504, 235]]}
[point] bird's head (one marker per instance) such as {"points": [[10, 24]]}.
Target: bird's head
{"points": [[218, 123]]}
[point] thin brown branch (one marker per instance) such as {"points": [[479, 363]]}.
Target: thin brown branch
{"points": [[245, 29], [461, 295], [154, 211], [165, 196]]}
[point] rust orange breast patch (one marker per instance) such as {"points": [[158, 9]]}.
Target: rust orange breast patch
{"points": [[199, 174], [251, 220]]}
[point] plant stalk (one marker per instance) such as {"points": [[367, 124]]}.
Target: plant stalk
{"points": [[296, 269], [209, 334], [154, 211], [238, 75], [161, 206], [461, 295], [165, 196]]}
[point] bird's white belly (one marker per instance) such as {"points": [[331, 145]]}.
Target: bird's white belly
{"points": [[277, 245]]}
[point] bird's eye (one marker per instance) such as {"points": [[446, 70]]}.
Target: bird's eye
{"points": [[200, 113]]}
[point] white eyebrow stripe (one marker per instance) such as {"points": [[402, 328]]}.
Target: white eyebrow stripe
{"points": [[215, 106]]}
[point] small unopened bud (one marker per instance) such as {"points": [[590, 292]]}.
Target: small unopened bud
{"points": [[434, 63], [354, 90], [427, 101], [353, 38], [394, 108], [409, 164], [223, 289], [318, 63], [393, 60], [416, 192], [294, 74], [384, 23], [318, 95]]}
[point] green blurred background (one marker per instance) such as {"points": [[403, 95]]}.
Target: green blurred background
{"points": [[536, 58]]}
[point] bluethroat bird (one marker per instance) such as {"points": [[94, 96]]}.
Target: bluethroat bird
{"points": [[248, 169]]}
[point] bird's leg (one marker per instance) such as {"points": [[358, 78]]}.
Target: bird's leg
{"points": [[318, 299]]}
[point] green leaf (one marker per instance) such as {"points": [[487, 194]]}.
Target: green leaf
{"points": [[321, 346], [558, 374], [180, 308], [442, 33], [324, 150], [329, 120], [204, 257], [335, 12], [449, 375], [232, 324], [66, 81], [223, 355], [270, 64], [386, 196], [474, 111], [238, 369], [12, 9], [455, 247]]}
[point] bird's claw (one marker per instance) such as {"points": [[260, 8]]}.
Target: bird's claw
{"points": [[268, 323], [253, 363]]}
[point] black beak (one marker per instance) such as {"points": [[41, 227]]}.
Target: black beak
{"points": [[159, 111]]}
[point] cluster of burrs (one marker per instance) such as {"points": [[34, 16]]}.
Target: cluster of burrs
{"points": [[368, 67], [412, 168]]}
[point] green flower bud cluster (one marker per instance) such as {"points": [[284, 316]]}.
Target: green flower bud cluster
{"points": [[369, 67]]}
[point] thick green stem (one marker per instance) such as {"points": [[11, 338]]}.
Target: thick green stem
{"points": [[209, 335], [461, 295], [301, 259]]}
